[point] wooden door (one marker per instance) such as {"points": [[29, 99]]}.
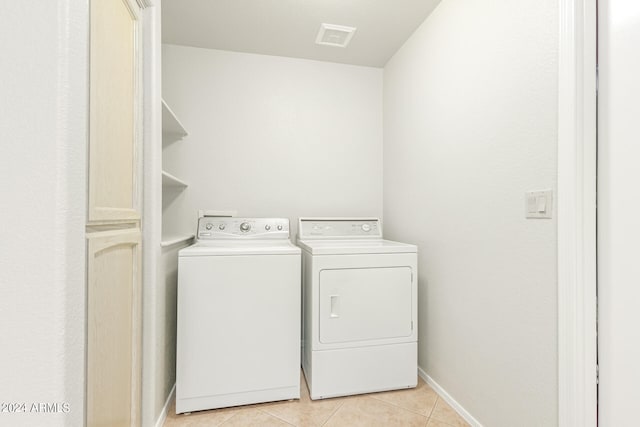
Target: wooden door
{"points": [[114, 118], [113, 308], [113, 392]]}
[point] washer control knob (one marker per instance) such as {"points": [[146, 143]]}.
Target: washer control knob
{"points": [[245, 226], [221, 226], [267, 227], [279, 227], [366, 227], [209, 226]]}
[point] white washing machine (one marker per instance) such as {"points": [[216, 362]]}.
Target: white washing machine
{"points": [[359, 299], [238, 337]]}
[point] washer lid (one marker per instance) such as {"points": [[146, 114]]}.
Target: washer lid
{"points": [[235, 247], [358, 246]]}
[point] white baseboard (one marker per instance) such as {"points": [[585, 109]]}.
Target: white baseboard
{"points": [[165, 410], [447, 398]]}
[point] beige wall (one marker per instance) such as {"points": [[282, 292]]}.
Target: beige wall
{"points": [[273, 136], [469, 126]]}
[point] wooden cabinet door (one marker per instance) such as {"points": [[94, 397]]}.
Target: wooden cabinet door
{"points": [[113, 328], [114, 118], [113, 372]]}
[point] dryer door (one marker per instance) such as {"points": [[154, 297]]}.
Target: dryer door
{"points": [[362, 304]]}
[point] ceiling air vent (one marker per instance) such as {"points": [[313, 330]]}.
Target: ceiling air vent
{"points": [[335, 35]]}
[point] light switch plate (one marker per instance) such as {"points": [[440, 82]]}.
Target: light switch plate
{"points": [[538, 204]]}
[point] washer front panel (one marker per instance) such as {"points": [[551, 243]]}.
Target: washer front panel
{"points": [[238, 330]]}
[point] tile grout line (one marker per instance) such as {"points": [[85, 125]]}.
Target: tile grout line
{"points": [[275, 416], [435, 419], [401, 407], [228, 419], [434, 406], [333, 413]]}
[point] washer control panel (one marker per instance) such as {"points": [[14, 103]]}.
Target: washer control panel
{"points": [[238, 228], [339, 228]]}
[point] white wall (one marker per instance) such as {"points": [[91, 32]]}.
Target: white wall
{"points": [[469, 126], [272, 136], [43, 134], [618, 207]]}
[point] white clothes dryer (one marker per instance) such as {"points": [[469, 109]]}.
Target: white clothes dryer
{"points": [[238, 325], [359, 299]]}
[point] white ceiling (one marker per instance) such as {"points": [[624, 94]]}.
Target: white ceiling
{"points": [[289, 27]]}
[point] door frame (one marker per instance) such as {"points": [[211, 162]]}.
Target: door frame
{"points": [[577, 268]]}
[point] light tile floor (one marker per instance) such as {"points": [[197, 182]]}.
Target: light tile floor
{"points": [[420, 406]]}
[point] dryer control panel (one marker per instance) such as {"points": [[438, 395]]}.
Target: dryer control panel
{"points": [[339, 228], [242, 228]]}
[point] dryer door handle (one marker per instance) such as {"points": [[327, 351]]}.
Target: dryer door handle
{"points": [[335, 305]]}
